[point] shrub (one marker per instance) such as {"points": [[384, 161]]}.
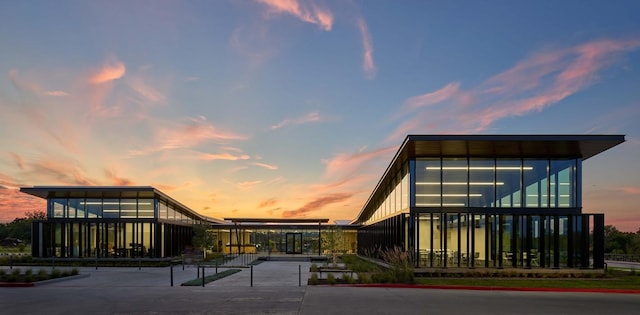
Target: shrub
{"points": [[55, 273], [331, 279], [74, 271], [314, 268], [16, 272], [401, 265], [346, 278], [313, 280], [364, 277], [2, 272], [42, 275]]}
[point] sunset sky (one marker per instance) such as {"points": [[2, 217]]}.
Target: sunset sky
{"points": [[294, 108]]}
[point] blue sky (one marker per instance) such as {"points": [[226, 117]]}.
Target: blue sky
{"points": [[294, 108]]}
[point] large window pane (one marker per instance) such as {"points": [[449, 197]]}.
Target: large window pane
{"points": [[145, 208], [454, 183], [534, 173], [428, 183], [562, 178], [482, 183], [509, 191], [111, 208], [59, 208], [128, 208]]}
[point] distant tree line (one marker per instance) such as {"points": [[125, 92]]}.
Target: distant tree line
{"points": [[617, 242], [20, 228]]}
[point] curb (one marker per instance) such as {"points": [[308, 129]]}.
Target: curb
{"points": [[39, 283], [491, 288]]}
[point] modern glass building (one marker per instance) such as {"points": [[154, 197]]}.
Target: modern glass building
{"points": [[142, 222], [487, 201], [126, 222]]}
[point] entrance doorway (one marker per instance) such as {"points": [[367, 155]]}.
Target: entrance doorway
{"points": [[294, 243]]}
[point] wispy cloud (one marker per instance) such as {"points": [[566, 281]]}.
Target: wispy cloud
{"points": [[349, 163], [18, 159], [631, 190], [193, 132], [111, 175], [316, 205], [431, 98], [306, 11], [145, 91], [310, 117], [265, 165], [246, 185], [111, 71], [268, 203], [56, 93], [368, 66], [221, 156], [532, 84]]}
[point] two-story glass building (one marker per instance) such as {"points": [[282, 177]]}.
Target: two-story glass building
{"points": [[487, 201]]}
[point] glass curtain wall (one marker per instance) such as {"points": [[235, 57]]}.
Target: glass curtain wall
{"points": [[456, 226]]}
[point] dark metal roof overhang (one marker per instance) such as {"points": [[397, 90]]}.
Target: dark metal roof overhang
{"points": [[276, 220], [48, 192], [491, 146]]}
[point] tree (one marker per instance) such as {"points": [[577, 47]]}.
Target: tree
{"points": [[20, 228], [333, 241], [203, 238]]}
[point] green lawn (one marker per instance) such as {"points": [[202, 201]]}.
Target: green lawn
{"points": [[617, 282]]}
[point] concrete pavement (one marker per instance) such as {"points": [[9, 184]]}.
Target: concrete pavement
{"points": [[276, 291]]}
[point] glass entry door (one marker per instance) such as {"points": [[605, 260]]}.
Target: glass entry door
{"points": [[294, 243]]}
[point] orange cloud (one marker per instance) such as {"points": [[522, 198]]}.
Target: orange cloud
{"points": [[310, 13], [194, 132], [310, 117], [14, 204], [116, 180], [316, 205], [268, 203], [246, 185], [367, 59], [631, 190], [109, 72]]}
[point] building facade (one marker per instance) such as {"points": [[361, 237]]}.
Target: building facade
{"points": [[503, 201], [124, 222]]}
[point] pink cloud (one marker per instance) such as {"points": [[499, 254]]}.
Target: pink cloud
{"points": [[222, 156], [350, 163], [310, 117], [109, 72], [432, 98], [265, 165], [310, 13], [147, 92], [367, 44], [14, 204], [316, 205], [539, 81], [18, 159], [631, 190]]}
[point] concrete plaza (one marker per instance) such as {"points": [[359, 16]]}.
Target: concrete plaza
{"points": [[276, 290]]}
